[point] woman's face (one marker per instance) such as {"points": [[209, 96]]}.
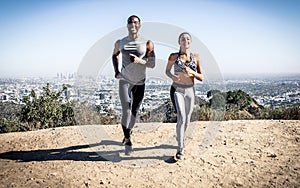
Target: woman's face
{"points": [[185, 41]]}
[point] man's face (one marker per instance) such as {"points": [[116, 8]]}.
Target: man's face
{"points": [[133, 25]]}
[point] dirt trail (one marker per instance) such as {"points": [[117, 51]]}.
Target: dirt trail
{"points": [[260, 153]]}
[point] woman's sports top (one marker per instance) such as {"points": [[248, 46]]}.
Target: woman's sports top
{"points": [[179, 65]]}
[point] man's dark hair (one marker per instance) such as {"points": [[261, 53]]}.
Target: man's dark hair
{"points": [[133, 16]]}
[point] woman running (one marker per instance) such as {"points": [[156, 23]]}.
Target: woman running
{"points": [[187, 67]]}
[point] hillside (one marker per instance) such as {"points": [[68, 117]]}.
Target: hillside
{"points": [[241, 153]]}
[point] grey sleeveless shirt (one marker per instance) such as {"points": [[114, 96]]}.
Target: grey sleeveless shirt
{"points": [[133, 73]]}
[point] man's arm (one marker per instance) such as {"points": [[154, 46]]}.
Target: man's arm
{"points": [[149, 59], [115, 58], [150, 55]]}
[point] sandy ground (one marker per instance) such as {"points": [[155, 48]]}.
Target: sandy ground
{"points": [[218, 154]]}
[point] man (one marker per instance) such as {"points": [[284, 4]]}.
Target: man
{"points": [[137, 55]]}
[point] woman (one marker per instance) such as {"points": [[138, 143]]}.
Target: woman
{"points": [[187, 67], [137, 55]]}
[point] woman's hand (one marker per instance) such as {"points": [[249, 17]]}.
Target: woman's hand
{"points": [[175, 78], [189, 72]]}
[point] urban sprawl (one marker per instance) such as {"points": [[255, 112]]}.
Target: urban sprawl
{"points": [[103, 91]]}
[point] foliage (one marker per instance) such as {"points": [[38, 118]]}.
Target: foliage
{"points": [[238, 100], [218, 101], [11, 125], [9, 118], [234, 105], [283, 112], [201, 113], [51, 109], [48, 110]]}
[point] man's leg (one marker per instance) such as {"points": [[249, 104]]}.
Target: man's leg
{"points": [[126, 106], [137, 95]]}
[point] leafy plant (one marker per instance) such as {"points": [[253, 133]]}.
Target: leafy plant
{"points": [[48, 110]]}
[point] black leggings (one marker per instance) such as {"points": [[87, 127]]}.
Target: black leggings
{"points": [[172, 91], [131, 97]]}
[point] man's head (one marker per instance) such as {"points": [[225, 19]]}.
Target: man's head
{"points": [[133, 24], [132, 17]]}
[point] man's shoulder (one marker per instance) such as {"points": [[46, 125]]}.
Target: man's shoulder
{"points": [[123, 39], [142, 38]]}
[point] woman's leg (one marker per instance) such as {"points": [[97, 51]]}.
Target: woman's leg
{"points": [[180, 106], [189, 105], [172, 91]]}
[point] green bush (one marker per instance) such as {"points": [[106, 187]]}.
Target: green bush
{"points": [[283, 112], [48, 110]]}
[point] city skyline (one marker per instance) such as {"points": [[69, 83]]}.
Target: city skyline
{"points": [[43, 38], [266, 91]]}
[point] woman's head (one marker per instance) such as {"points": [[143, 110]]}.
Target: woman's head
{"points": [[184, 40]]}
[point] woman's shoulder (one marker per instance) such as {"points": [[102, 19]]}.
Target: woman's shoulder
{"points": [[196, 56], [173, 56]]}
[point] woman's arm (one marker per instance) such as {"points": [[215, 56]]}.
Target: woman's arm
{"points": [[199, 74], [172, 58]]}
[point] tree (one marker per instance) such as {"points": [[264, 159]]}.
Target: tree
{"points": [[239, 99], [217, 99]]}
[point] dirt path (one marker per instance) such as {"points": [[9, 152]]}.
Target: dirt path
{"points": [[218, 154]]}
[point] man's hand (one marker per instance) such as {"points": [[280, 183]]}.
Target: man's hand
{"points": [[150, 48], [118, 75], [136, 59]]}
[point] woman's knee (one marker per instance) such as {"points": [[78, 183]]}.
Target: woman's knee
{"points": [[181, 121]]}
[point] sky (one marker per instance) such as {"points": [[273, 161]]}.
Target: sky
{"points": [[46, 37]]}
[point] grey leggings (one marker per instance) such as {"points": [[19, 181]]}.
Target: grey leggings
{"points": [[131, 97], [184, 99]]}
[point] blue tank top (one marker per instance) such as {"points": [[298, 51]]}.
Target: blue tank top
{"points": [[179, 65]]}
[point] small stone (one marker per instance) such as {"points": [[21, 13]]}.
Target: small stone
{"points": [[273, 155], [86, 183]]}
